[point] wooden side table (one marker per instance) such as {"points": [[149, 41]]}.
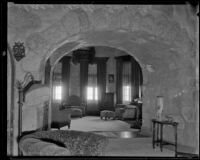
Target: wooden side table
{"points": [[158, 125]]}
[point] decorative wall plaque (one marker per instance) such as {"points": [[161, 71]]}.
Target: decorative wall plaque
{"points": [[19, 50]]}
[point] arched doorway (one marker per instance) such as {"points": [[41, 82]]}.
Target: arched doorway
{"points": [[106, 63]]}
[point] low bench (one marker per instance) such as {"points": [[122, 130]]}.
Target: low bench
{"points": [[107, 114]]}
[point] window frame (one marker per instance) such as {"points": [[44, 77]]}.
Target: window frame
{"points": [[57, 96], [94, 93]]}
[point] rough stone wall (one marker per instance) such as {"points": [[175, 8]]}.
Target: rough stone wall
{"points": [[161, 38]]}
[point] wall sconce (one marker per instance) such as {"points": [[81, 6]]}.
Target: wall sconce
{"points": [[19, 50]]}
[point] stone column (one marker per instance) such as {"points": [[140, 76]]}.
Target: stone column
{"points": [[84, 56], [101, 78], [119, 80]]}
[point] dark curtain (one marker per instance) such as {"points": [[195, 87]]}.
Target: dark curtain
{"points": [[136, 79], [65, 76], [119, 63], [83, 80], [101, 79]]}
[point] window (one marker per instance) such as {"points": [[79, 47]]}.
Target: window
{"points": [[126, 82], [57, 83], [126, 93], [92, 93], [58, 93]]}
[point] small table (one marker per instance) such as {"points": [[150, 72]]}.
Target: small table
{"points": [[158, 125]]}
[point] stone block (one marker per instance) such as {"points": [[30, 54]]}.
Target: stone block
{"points": [[172, 32], [162, 26], [173, 92], [31, 62], [83, 19], [71, 23], [125, 19], [135, 22], [37, 43], [100, 19], [114, 20], [22, 20], [55, 33], [148, 24], [189, 114]]}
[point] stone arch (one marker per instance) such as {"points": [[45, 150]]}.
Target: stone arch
{"points": [[66, 47], [79, 21], [144, 72]]}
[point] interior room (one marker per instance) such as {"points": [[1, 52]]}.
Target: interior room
{"points": [[103, 80], [105, 64]]}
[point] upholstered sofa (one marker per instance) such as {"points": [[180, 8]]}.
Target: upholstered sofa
{"points": [[63, 143]]}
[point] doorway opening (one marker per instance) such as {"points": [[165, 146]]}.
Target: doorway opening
{"points": [[97, 78]]}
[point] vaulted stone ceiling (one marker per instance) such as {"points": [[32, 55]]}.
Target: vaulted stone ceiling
{"points": [[162, 37], [43, 25], [27, 17]]}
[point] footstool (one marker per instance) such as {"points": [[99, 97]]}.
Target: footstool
{"points": [[107, 114]]}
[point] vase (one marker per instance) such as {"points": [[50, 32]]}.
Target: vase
{"points": [[159, 106]]}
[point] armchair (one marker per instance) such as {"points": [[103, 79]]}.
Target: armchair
{"points": [[77, 107], [60, 117]]}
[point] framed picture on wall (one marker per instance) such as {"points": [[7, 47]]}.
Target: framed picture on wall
{"points": [[111, 78]]}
